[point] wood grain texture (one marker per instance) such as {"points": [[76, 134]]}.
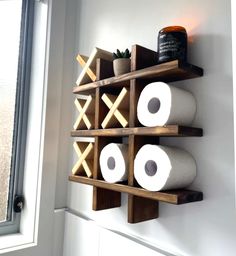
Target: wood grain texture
{"points": [[141, 209], [104, 199], [142, 57], [181, 196], [136, 87], [100, 109], [161, 131], [104, 69], [132, 153], [133, 105], [165, 72]]}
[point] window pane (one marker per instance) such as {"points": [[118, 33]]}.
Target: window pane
{"points": [[10, 19]]}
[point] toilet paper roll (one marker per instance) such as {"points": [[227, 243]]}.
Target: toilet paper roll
{"points": [[161, 168], [160, 104], [114, 162]]}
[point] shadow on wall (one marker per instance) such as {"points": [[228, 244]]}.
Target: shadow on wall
{"points": [[209, 51]]}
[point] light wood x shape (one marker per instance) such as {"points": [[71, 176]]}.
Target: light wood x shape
{"points": [[91, 71], [88, 119], [85, 154], [113, 103]]}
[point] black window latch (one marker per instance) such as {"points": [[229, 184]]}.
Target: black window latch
{"points": [[19, 202]]}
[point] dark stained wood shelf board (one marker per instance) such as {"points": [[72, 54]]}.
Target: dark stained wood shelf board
{"points": [[165, 131], [173, 197], [166, 72]]}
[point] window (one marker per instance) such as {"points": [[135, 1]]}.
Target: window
{"points": [[16, 21]]}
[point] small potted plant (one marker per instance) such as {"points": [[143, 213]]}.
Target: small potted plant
{"points": [[121, 62]]}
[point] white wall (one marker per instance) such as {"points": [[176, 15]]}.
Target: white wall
{"points": [[197, 229]]}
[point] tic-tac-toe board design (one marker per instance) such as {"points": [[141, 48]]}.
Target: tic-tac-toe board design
{"points": [[115, 120]]}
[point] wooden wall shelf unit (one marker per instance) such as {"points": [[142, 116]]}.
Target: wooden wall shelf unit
{"points": [[142, 204]]}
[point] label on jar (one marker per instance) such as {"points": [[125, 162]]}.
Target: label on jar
{"points": [[172, 46]]}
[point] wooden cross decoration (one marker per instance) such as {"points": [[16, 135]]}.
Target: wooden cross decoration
{"points": [[88, 72], [84, 152], [91, 71], [86, 113], [116, 116]]}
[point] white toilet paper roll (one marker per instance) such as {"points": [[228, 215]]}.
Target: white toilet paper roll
{"points": [[114, 162], [161, 168], [160, 104]]}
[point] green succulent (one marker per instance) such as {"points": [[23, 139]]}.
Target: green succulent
{"points": [[126, 54]]}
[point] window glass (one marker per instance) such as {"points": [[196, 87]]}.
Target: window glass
{"points": [[10, 21]]}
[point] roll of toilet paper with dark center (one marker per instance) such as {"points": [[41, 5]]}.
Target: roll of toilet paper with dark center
{"points": [[161, 168], [114, 162], [160, 104]]}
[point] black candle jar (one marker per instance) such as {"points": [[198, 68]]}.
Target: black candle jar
{"points": [[172, 44]]}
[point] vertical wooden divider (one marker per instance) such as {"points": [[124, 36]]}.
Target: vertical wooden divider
{"points": [[104, 69], [136, 87], [142, 57], [139, 209], [102, 198]]}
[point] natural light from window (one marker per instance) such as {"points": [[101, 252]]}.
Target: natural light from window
{"points": [[10, 16]]}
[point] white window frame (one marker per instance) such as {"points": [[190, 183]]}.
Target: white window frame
{"points": [[39, 182], [233, 27], [11, 224]]}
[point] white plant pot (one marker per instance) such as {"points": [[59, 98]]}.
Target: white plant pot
{"points": [[121, 66]]}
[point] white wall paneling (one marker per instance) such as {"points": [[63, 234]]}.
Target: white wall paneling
{"points": [[84, 237], [58, 232], [81, 237]]}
